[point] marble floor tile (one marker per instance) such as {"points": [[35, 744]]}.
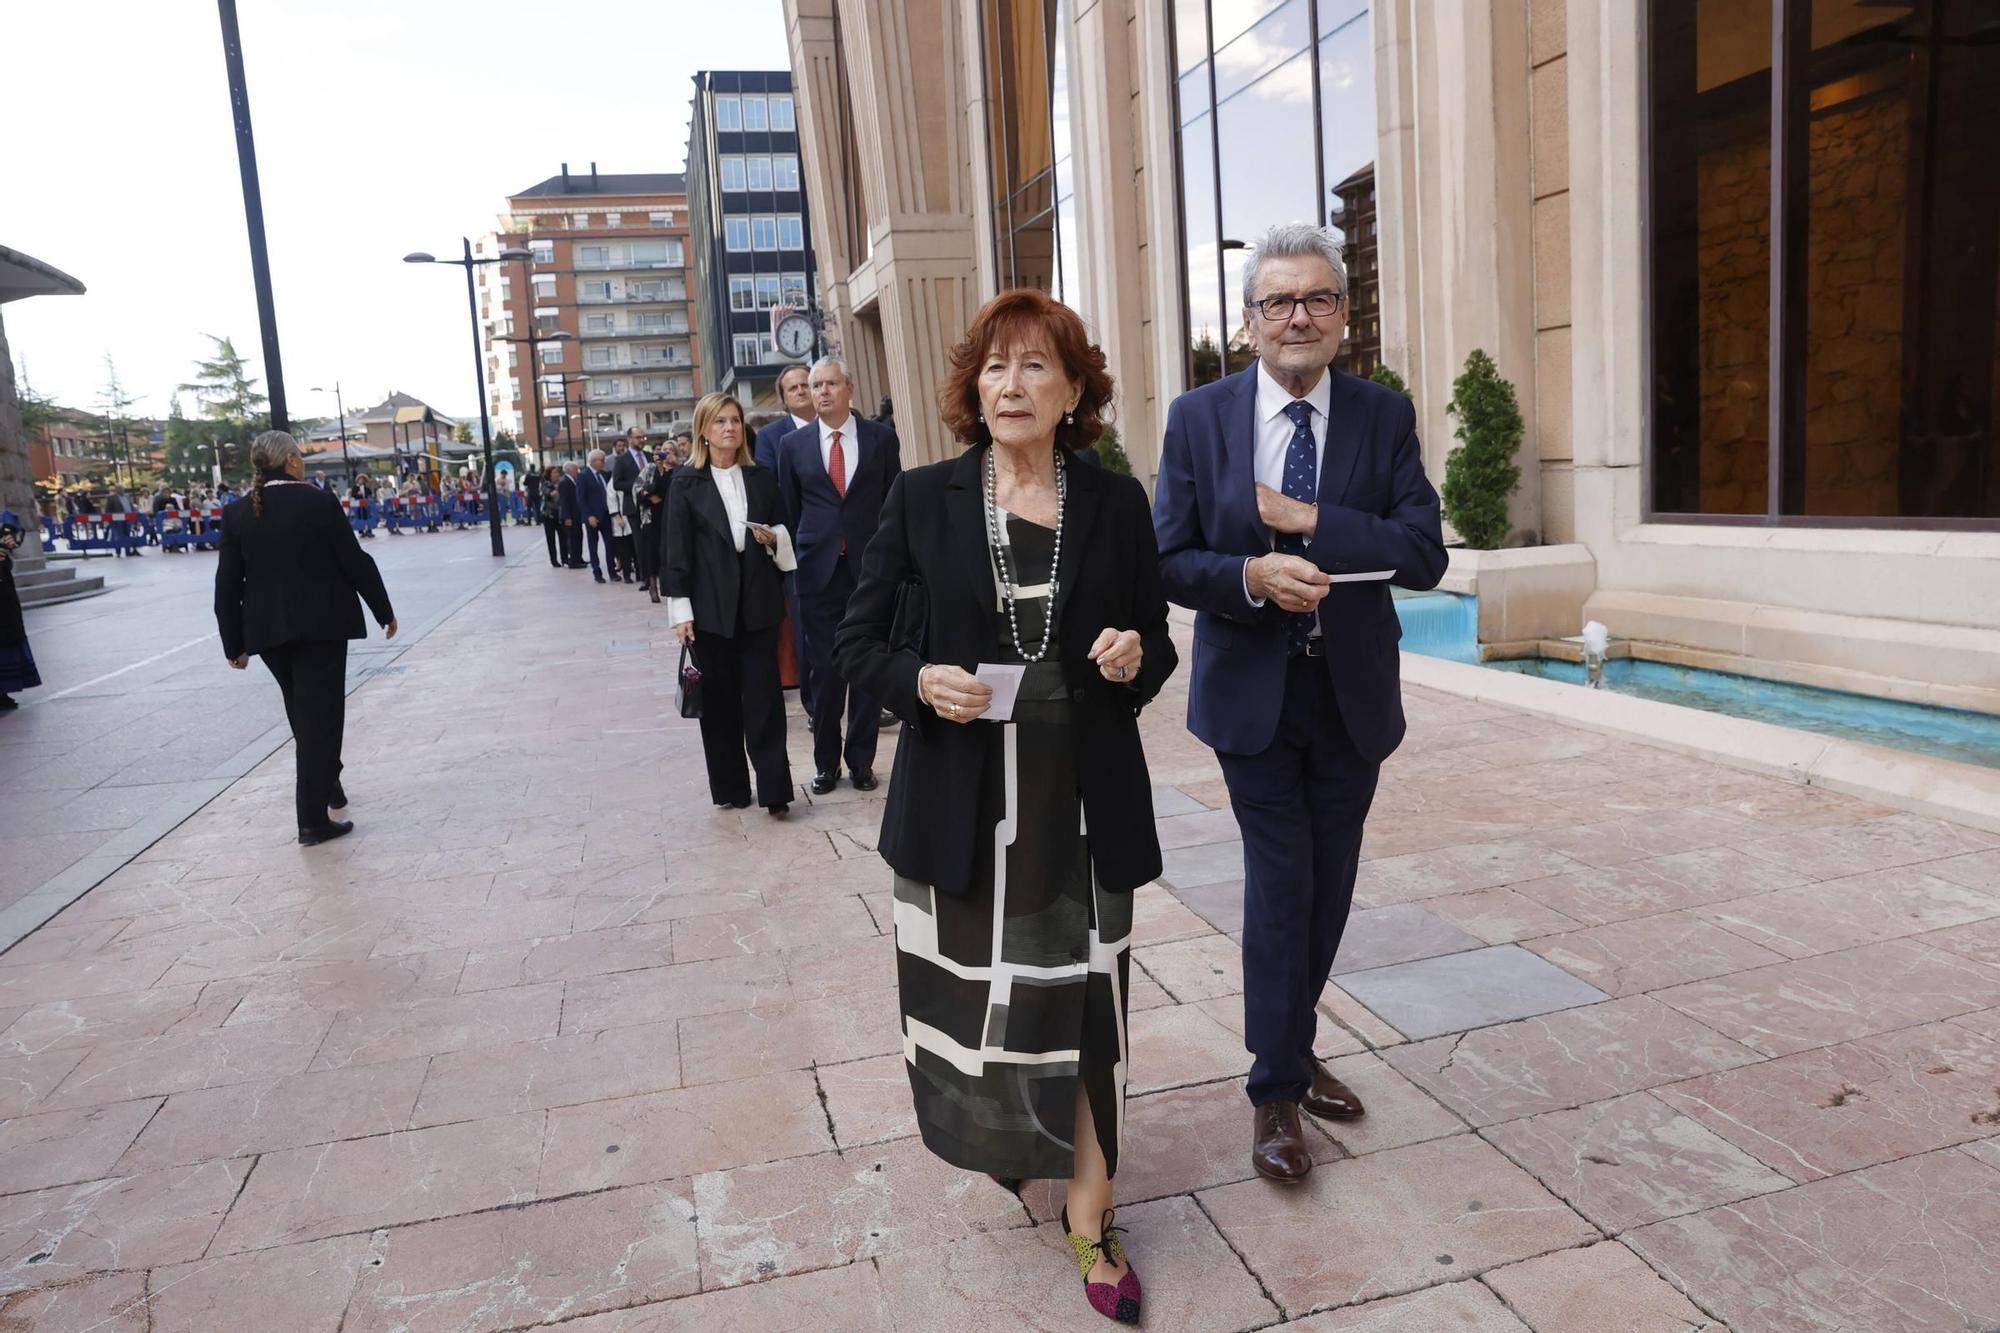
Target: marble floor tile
{"points": [[445, 1023], [553, 1071], [868, 1101], [1638, 837], [103, 1019], [1204, 968], [1565, 1059], [27, 1080], [1604, 896], [1632, 1160], [686, 990], [1979, 942], [268, 1115], [1455, 869], [766, 929], [1330, 1039], [298, 1288], [1455, 1307], [1196, 828], [829, 1300], [1169, 802], [1809, 1002], [1876, 844], [1381, 936], [715, 1048], [1859, 909], [1822, 1112], [1593, 1289], [1651, 952], [131, 1222], [1207, 863], [1975, 870], [1390, 1223], [1220, 905], [587, 953], [1467, 990], [841, 967], [1160, 916], [62, 1147], [1172, 1047], [1399, 1112], [114, 1303], [1906, 1246]]}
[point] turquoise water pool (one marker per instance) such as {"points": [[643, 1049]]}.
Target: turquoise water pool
{"points": [[1446, 625]]}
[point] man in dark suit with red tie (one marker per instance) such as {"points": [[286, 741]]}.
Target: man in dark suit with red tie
{"points": [[1290, 496], [834, 476]]}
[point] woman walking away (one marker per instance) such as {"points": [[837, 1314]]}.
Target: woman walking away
{"points": [[1014, 924], [725, 547], [551, 515], [289, 588], [17, 664]]}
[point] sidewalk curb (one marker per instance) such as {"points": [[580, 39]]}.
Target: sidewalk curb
{"points": [[35, 908]]}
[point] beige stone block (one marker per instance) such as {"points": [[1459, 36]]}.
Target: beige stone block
{"points": [[1558, 502], [1552, 405], [1551, 220], [1549, 91], [1530, 592], [1548, 29]]}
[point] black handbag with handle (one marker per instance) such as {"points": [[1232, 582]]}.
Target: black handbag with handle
{"points": [[687, 689]]}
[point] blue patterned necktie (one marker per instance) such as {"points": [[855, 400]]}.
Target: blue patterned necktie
{"points": [[1302, 484]]}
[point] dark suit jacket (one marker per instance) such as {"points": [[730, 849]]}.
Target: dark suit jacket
{"points": [[933, 537], [294, 574], [1377, 510], [771, 440], [590, 498], [624, 471], [820, 518], [566, 499], [731, 592]]}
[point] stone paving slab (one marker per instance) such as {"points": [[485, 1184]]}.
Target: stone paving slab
{"points": [[553, 1043]]}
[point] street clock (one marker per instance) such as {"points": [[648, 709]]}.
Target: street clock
{"points": [[795, 336]]}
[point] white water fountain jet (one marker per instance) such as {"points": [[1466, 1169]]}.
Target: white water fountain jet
{"points": [[1596, 640]]}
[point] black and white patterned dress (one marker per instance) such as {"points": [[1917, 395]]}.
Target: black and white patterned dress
{"points": [[1016, 990]]}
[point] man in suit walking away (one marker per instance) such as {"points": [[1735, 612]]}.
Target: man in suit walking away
{"points": [[834, 476], [593, 502], [571, 516], [1290, 496], [797, 416]]}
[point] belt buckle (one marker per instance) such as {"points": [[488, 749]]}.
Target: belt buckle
{"points": [[1315, 648]]}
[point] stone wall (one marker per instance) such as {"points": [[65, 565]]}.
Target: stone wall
{"points": [[1733, 190], [17, 487]]}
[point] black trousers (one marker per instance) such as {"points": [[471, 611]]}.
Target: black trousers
{"points": [[646, 541], [312, 675], [594, 534], [622, 557], [552, 533], [1300, 805], [833, 697], [743, 706], [572, 542]]}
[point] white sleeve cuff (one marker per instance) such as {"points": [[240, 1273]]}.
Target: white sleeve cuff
{"points": [[1254, 601], [680, 610], [783, 553]]}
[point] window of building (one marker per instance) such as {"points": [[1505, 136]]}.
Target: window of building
{"points": [[543, 252], [792, 289], [755, 114], [728, 113], [659, 219], [1257, 85], [506, 289], [676, 256], [742, 292], [732, 173], [552, 354], [647, 291], [760, 172], [1825, 256], [606, 388], [579, 220], [545, 321], [1027, 69], [650, 321], [767, 349], [785, 172], [597, 290], [764, 233], [597, 357], [648, 252], [791, 232], [545, 287], [743, 349], [767, 290], [736, 233], [592, 256], [781, 112]]}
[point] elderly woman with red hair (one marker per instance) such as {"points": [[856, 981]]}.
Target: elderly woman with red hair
{"points": [[1019, 827]]}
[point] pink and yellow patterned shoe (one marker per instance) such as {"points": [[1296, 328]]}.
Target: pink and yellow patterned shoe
{"points": [[1120, 1302]]}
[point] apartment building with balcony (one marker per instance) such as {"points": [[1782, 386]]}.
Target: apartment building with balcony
{"points": [[598, 320], [748, 227]]}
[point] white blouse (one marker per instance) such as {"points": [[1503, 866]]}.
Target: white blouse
{"points": [[735, 504]]}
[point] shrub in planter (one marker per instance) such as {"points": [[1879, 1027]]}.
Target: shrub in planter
{"points": [[1111, 454], [1481, 473], [1389, 379]]}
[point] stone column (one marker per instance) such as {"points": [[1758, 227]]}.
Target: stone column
{"points": [[17, 486]]}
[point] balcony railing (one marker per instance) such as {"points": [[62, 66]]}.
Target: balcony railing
{"points": [[667, 331], [634, 298], [615, 265], [597, 399]]}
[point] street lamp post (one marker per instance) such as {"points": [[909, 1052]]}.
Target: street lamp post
{"points": [[535, 339], [479, 373], [570, 408], [341, 407]]}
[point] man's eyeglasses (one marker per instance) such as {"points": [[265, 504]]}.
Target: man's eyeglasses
{"points": [[1278, 309]]}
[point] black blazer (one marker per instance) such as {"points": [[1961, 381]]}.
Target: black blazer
{"points": [[732, 593], [294, 574], [933, 539]]}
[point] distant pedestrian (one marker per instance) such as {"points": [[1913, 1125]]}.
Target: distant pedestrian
{"points": [[289, 588], [17, 664], [548, 511], [593, 502], [649, 501], [572, 516]]}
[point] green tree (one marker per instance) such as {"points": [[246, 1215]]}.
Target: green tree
{"points": [[1111, 453], [462, 433], [1481, 473], [115, 407], [224, 386], [1205, 359], [1389, 379], [37, 409]]}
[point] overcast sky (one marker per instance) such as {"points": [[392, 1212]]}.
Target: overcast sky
{"points": [[383, 126]]}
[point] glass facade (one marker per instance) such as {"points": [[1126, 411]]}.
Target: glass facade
{"points": [[1275, 106], [1034, 188], [1825, 266]]}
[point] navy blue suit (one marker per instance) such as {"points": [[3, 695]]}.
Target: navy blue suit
{"points": [[830, 532], [591, 503], [1300, 737], [769, 446]]}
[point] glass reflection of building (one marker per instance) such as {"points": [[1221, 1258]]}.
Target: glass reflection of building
{"points": [[1034, 186], [1275, 104], [1825, 261]]}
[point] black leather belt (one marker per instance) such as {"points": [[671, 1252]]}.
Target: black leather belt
{"points": [[1313, 648]]}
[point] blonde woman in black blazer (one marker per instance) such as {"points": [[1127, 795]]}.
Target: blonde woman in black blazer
{"points": [[724, 548]]}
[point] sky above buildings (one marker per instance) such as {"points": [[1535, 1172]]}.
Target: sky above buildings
{"points": [[383, 126]]}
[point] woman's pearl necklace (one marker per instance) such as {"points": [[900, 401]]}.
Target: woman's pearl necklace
{"points": [[1000, 560]]}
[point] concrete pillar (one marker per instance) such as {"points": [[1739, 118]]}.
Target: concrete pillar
{"points": [[17, 485]]}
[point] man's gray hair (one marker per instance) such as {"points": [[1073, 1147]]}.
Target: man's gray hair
{"points": [[594, 457], [1294, 240], [835, 362], [272, 448]]}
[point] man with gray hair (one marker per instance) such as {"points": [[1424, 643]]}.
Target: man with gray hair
{"points": [[834, 475], [593, 504], [1290, 496]]}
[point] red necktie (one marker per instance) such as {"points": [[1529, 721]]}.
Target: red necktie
{"points": [[836, 467]]}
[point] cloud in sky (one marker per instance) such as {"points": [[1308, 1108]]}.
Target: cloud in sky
{"points": [[383, 126]]}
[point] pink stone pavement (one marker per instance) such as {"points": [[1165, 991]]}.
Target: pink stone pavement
{"points": [[552, 1041]]}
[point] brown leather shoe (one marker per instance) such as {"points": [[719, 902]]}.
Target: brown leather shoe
{"points": [[1330, 1099], [1278, 1143]]}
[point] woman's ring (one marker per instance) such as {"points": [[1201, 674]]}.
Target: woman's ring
{"points": [[954, 710], [1121, 673]]}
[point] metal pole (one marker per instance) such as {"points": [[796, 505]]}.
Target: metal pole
{"points": [[253, 213], [341, 407], [534, 353], [485, 427]]}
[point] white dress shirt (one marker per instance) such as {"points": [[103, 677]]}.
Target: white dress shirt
{"points": [[1274, 442], [736, 504], [846, 429]]}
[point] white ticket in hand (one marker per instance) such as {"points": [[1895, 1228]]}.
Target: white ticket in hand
{"points": [[1370, 576], [1005, 680]]}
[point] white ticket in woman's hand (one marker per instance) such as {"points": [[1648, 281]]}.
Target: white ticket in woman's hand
{"points": [[1005, 679], [1369, 576]]}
